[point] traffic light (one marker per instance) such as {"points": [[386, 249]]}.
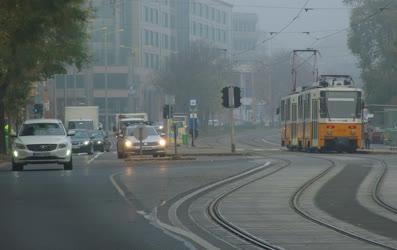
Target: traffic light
{"points": [[168, 111], [237, 97], [225, 97], [231, 97], [38, 109]]}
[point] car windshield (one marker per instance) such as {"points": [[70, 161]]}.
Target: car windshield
{"points": [[42, 129], [80, 125], [98, 135], [341, 104], [80, 134], [149, 131]]}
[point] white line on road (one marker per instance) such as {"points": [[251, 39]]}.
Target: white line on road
{"points": [[93, 158], [170, 230], [269, 142]]}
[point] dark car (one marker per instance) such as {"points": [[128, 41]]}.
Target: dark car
{"points": [[82, 142], [100, 140]]}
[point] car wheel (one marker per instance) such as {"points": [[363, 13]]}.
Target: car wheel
{"points": [[68, 165], [17, 167]]}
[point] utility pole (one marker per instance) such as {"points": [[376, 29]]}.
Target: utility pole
{"points": [[106, 81], [74, 87]]}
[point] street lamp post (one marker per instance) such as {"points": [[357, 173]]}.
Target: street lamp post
{"points": [[105, 29], [131, 86]]}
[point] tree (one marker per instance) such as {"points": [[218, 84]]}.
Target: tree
{"points": [[37, 40], [200, 73], [373, 39]]}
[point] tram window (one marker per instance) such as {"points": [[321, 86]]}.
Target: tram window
{"points": [[294, 112], [282, 114], [340, 104], [300, 107], [288, 110], [359, 105], [307, 106]]}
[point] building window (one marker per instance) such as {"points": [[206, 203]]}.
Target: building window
{"points": [[146, 60], [206, 31], [146, 14], [194, 28], [146, 37], [173, 43], [200, 9], [218, 16], [224, 17], [206, 11], [165, 19], [173, 21], [201, 29]]}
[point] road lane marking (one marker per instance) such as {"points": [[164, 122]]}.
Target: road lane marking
{"points": [[269, 142], [93, 158], [152, 218]]}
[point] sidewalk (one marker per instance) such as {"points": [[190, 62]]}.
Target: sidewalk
{"points": [[379, 149], [201, 151], [3, 160]]}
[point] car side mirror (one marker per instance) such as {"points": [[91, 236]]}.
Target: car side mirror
{"points": [[71, 133]]}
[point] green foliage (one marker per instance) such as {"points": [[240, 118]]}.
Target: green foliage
{"points": [[38, 38], [199, 73], [373, 39]]}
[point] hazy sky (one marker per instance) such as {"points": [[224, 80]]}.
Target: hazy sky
{"points": [[327, 16]]}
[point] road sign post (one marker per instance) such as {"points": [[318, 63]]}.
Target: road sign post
{"points": [[175, 138]]}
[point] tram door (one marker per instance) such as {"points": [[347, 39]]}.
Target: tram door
{"points": [[314, 122]]}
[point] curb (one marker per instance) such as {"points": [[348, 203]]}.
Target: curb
{"points": [[167, 158], [377, 152]]}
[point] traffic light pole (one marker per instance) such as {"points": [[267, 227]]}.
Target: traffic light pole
{"points": [[232, 132]]}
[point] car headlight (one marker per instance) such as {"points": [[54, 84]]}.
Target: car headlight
{"points": [[20, 146], [15, 153], [62, 145], [99, 142], [86, 142], [128, 144], [162, 142]]}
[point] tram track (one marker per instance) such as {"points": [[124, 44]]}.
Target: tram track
{"points": [[215, 214], [295, 205]]}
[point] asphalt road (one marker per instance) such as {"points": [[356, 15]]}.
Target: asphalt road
{"points": [[106, 203]]}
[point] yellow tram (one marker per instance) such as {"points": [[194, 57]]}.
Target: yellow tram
{"points": [[324, 117]]}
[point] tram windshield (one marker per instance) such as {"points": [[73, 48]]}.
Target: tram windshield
{"points": [[340, 104]]}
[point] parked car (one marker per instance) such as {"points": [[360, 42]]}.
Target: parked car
{"points": [[82, 142], [100, 140], [128, 142], [41, 141]]}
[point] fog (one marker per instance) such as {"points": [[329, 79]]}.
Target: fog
{"points": [[323, 18]]}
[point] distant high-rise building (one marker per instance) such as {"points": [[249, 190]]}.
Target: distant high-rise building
{"points": [[205, 20], [129, 42]]}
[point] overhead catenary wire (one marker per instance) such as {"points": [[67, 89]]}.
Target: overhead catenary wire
{"points": [[301, 10], [370, 16]]}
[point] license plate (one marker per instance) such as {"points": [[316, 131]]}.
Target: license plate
{"points": [[41, 154]]}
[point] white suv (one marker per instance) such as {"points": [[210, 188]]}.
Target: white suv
{"points": [[42, 141]]}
